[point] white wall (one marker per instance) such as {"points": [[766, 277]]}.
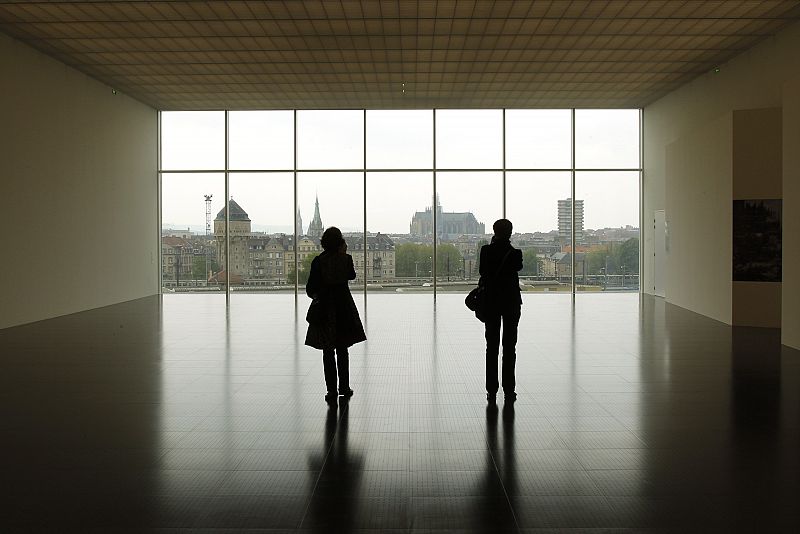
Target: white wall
{"points": [[699, 204], [755, 79], [79, 193]]}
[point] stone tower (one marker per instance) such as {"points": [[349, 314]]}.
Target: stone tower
{"points": [[240, 231]]}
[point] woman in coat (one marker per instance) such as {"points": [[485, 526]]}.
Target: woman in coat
{"points": [[500, 263], [334, 324]]}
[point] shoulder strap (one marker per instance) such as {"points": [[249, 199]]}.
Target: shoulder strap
{"points": [[497, 273]]}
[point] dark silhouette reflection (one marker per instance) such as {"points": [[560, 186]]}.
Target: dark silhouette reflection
{"points": [[334, 504], [508, 473], [496, 514]]}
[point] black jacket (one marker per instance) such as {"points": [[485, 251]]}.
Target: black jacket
{"points": [[327, 282], [502, 286]]}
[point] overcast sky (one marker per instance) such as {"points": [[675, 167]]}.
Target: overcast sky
{"points": [[465, 139]]}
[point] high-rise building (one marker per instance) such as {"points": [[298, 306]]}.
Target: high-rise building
{"points": [[316, 228], [565, 219]]}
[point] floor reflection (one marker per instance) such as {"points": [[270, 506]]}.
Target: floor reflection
{"points": [[148, 418], [497, 516], [335, 501]]}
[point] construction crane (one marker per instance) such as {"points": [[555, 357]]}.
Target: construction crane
{"points": [[208, 232], [208, 213]]}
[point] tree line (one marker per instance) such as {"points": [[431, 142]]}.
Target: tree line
{"points": [[415, 260]]}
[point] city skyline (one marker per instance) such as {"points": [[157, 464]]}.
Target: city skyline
{"points": [[417, 228], [289, 229], [403, 139]]}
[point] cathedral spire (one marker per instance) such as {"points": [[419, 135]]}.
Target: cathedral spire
{"points": [[299, 222], [315, 229]]}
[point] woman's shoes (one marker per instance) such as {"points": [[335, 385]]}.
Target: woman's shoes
{"points": [[331, 396], [347, 393], [491, 397]]}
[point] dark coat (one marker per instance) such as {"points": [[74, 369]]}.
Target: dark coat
{"points": [[341, 326], [502, 288]]}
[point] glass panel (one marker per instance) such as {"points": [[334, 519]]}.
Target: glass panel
{"points": [[261, 140], [400, 237], [534, 204], [607, 138], [262, 231], [609, 251], [330, 199], [400, 139], [330, 139], [190, 251], [468, 204], [193, 140], [538, 139], [469, 139]]}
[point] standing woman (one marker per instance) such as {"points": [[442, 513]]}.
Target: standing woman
{"points": [[500, 263], [334, 324]]}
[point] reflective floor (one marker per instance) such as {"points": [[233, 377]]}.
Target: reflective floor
{"points": [[173, 416]]}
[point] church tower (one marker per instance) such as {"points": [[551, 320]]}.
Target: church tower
{"points": [[315, 229], [299, 223]]}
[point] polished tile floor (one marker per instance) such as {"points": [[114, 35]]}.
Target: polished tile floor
{"points": [[175, 415]]}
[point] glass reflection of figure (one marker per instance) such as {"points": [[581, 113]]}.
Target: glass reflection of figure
{"points": [[333, 505]]}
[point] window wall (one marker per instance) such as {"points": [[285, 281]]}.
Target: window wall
{"points": [[415, 193]]}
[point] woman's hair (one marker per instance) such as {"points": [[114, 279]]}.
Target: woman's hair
{"points": [[502, 228], [331, 239]]}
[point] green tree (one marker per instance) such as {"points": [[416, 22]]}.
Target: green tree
{"points": [[305, 269], [596, 260], [531, 262], [628, 255], [413, 259], [201, 265], [448, 260]]}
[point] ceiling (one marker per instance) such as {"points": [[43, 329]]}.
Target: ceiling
{"points": [[395, 54]]}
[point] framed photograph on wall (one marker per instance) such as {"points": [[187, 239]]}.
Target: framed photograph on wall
{"points": [[757, 240]]}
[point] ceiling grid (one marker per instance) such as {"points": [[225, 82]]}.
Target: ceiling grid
{"points": [[359, 53]]}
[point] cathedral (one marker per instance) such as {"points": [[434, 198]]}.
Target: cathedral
{"points": [[449, 225]]}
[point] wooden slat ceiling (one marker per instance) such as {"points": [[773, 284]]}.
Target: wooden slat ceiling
{"points": [[395, 54]]}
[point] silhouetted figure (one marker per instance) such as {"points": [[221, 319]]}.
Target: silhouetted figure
{"points": [[334, 324], [500, 263]]}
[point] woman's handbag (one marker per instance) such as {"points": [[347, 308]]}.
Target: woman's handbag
{"points": [[476, 299], [315, 314]]}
